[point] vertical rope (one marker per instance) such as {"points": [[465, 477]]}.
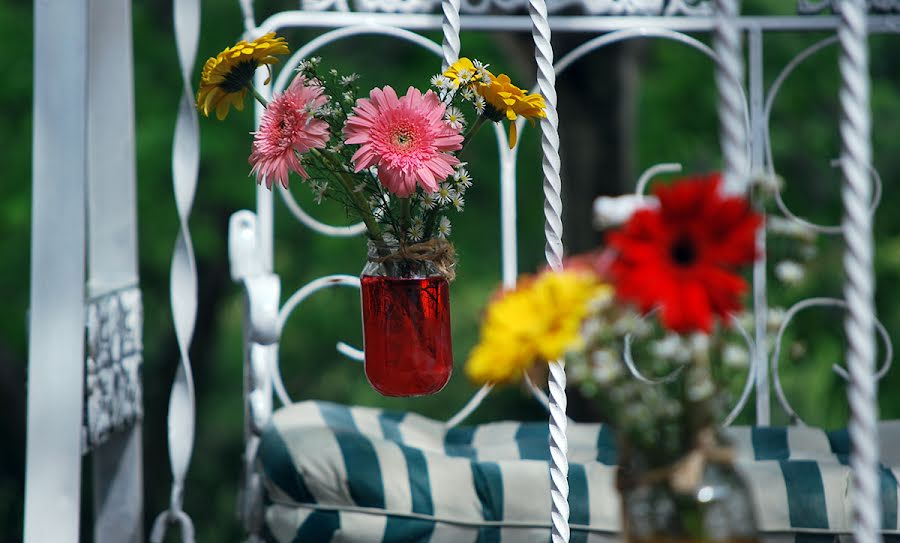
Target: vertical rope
{"points": [[183, 273], [450, 26], [729, 81], [553, 251], [856, 158]]}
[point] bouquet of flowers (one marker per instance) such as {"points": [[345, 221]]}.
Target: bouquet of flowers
{"points": [[393, 161], [644, 329]]}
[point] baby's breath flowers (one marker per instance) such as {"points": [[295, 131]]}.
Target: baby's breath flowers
{"points": [[227, 77]]}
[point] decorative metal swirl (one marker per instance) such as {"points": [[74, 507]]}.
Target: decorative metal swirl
{"points": [[729, 83], [811, 7], [779, 338], [183, 277], [859, 284]]}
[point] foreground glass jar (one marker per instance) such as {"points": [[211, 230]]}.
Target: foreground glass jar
{"points": [[718, 508], [406, 324]]}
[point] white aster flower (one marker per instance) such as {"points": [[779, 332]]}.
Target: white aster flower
{"points": [[467, 94], [479, 104], [417, 229], [735, 356], [457, 200], [444, 194], [463, 179], [348, 80], [444, 227], [439, 81], [454, 118], [429, 200], [482, 72]]}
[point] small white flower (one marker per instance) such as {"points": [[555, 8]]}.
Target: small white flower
{"points": [[467, 94], [444, 194], [416, 230], [605, 365], [457, 200], [482, 72], [429, 200], [735, 356], [789, 272], [454, 118], [333, 72], [479, 104], [672, 347], [439, 81], [463, 179], [464, 76], [444, 227], [699, 343], [348, 80], [592, 328]]}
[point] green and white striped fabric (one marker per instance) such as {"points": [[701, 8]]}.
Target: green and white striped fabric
{"points": [[337, 473]]}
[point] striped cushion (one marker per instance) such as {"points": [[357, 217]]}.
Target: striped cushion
{"points": [[336, 473]]}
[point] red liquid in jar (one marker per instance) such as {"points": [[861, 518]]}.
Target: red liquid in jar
{"points": [[406, 334]]}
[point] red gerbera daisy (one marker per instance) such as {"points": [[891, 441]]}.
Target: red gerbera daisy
{"points": [[682, 257]]}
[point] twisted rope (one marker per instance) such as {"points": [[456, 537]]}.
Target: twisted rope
{"points": [[450, 26], [729, 82], [859, 324], [183, 274], [553, 251]]}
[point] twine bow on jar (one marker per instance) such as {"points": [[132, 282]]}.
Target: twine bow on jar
{"points": [[439, 252]]}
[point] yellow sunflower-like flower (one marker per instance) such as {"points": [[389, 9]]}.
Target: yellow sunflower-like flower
{"points": [[507, 100], [226, 76], [539, 320]]}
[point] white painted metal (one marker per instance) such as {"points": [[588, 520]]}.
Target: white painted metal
{"points": [[56, 320], [859, 282], [112, 246], [183, 275], [553, 251]]}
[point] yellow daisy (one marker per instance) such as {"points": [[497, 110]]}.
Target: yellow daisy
{"points": [[507, 100], [538, 320], [226, 76]]}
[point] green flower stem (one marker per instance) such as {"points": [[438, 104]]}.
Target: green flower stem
{"points": [[472, 131], [404, 215], [365, 212], [259, 97]]}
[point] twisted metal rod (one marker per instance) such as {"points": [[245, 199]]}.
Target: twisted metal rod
{"points": [[183, 275], [553, 251], [450, 27], [729, 84], [859, 285]]}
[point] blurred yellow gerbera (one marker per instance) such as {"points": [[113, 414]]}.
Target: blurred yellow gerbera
{"points": [[226, 76], [539, 320], [507, 100]]}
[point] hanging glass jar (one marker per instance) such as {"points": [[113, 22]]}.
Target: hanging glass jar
{"points": [[699, 498], [406, 322]]}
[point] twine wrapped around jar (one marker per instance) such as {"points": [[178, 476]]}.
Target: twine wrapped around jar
{"points": [[439, 252]]}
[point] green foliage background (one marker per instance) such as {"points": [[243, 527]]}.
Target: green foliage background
{"points": [[675, 122]]}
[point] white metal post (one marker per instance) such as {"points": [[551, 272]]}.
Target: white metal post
{"points": [[56, 331], [112, 248]]}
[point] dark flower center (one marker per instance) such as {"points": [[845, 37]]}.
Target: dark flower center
{"points": [[239, 76], [683, 251]]}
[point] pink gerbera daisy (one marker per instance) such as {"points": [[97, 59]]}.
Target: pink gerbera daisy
{"points": [[286, 131], [406, 138]]}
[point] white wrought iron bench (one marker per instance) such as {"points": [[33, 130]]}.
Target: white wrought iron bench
{"points": [[316, 470]]}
